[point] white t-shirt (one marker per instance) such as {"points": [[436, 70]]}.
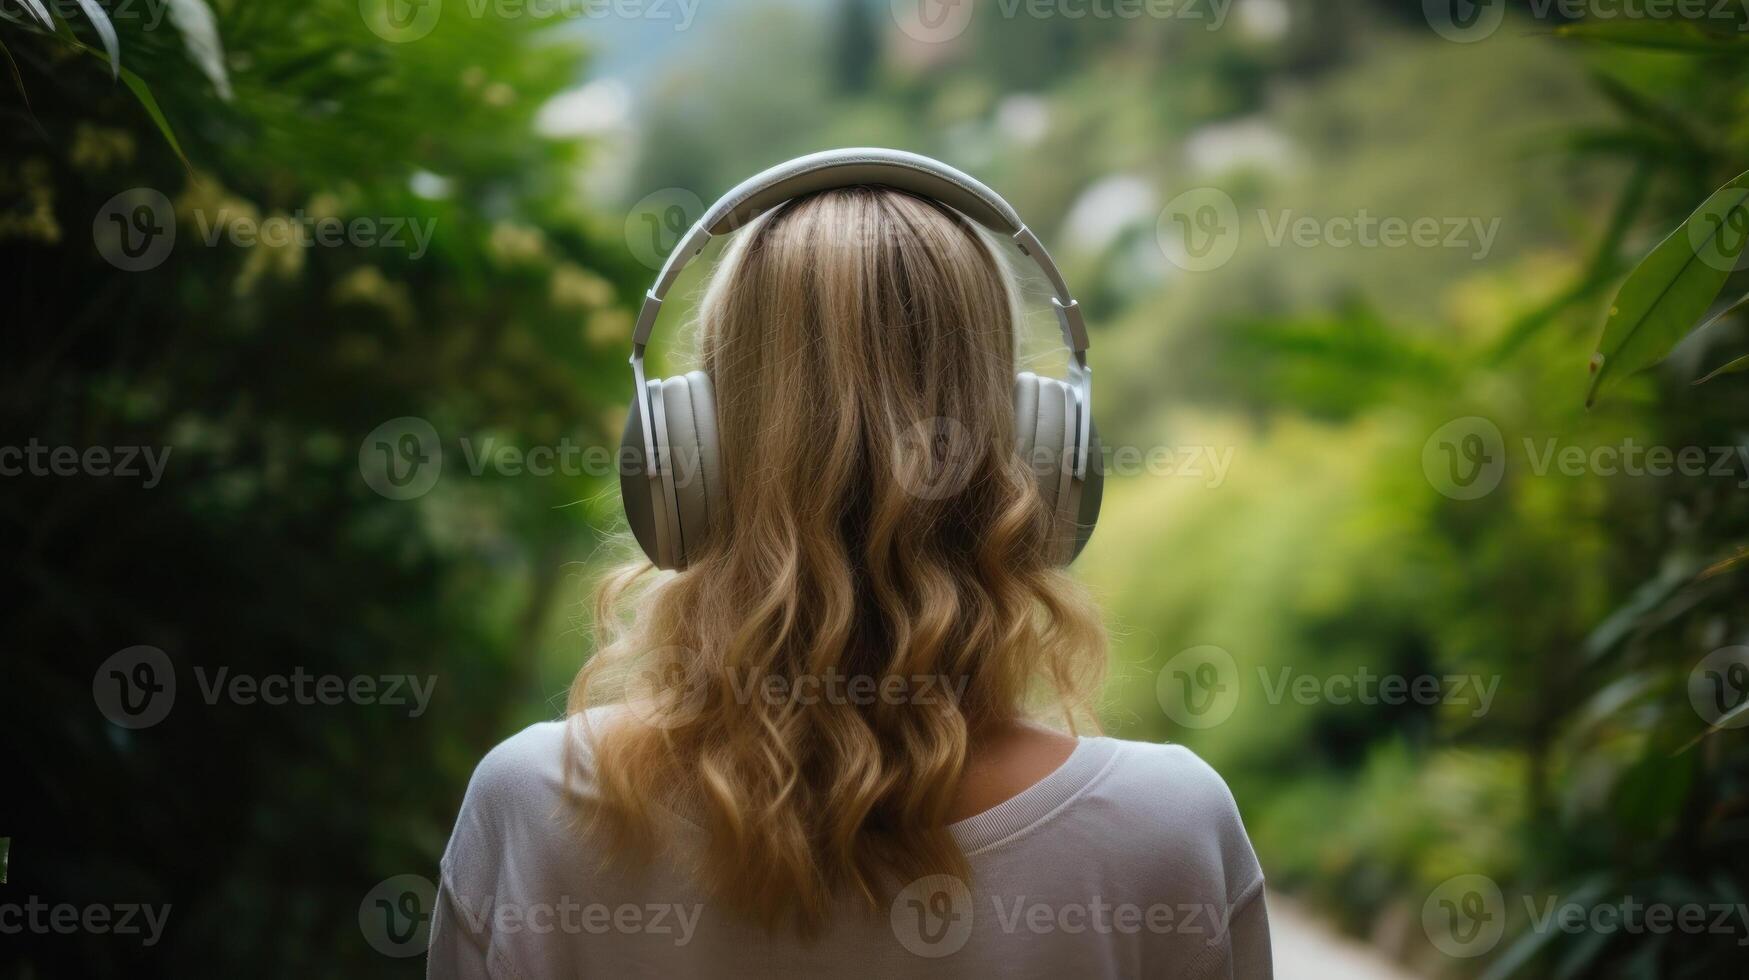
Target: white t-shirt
{"points": [[1129, 860]]}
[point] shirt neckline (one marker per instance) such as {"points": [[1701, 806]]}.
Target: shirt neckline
{"points": [[1091, 757]]}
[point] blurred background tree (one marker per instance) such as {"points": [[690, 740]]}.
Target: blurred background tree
{"points": [[538, 147]]}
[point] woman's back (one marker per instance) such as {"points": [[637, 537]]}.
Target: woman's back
{"points": [[1126, 860], [866, 512]]}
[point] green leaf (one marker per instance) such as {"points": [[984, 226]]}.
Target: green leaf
{"points": [[143, 93], [40, 12], [105, 32], [137, 85], [1741, 363], [200, 35], [1737, 366], [1671, 288], [1649, 796], [1741, 302], [1665, 35], [1600, 267], [24, 96]]}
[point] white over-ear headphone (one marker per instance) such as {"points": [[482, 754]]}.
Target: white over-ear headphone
{"points": [[672, 504]]}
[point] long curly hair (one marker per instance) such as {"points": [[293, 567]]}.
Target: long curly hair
{"points": [[808, 687]]}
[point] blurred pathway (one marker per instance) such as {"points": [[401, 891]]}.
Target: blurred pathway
{"points": [[1306, 949]]}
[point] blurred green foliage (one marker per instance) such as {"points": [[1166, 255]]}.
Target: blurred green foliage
{"points": [[1323, 374], [263, 551]]}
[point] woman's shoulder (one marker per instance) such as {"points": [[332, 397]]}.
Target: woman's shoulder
{"points": [[1161, 771], [537, 765], [1173, 810], [522, 790], [529, 756]]}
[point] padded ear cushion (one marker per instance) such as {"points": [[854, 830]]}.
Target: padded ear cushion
{"points": [[1053, 429], [704, 425], [1026, 434], [689, 493], [1045, 424], [664, 501], [1025, 412], [635, 483], [671, 516]]}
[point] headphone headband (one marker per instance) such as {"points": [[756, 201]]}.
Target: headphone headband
{"points": [[844, 168], [850, 167]]}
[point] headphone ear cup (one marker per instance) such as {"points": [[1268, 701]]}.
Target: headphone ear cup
{"points": [[1045, 417], [710, 467], [686, 448], [1026, 386], [671, 515], [640, 491]]}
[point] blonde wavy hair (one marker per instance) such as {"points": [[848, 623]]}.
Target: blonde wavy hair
{"points": [[839, 331]]}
